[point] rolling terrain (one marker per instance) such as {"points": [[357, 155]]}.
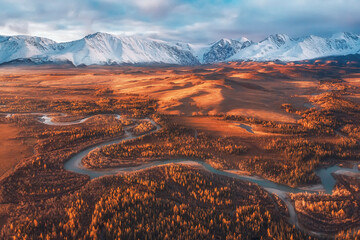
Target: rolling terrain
{"points": [[235, 150]]}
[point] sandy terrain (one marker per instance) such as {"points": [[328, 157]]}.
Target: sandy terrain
{"points": [[353, 79], [249, 89]]}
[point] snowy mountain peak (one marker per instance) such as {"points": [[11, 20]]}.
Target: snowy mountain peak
{"points": [[243, 39], [98, 35], [282, 47], [22, 46], [346, 36], [103, 48], [223, 49], [224, 41], [30, 39], [278, 39]]}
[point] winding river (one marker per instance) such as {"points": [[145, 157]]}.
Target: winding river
{"points": [[74, 164]]}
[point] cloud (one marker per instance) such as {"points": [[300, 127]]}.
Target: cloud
{"points": [[19, 27], [154, 8], [186, 20]]}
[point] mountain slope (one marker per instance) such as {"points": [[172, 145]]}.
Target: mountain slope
{"points": [[282, 47], [102, 48], [98, 48], [18, 47], [223, 49], [106, 49]]}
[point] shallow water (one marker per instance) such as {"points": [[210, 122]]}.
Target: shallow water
{"points": [[327, 180], [246, 127], [74, 164]]}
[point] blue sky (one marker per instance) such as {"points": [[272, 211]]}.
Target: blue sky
{"points": [[195, 21]]}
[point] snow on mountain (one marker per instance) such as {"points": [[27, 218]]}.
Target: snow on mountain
{"points": [[223, 49], [282, 47], [266, 50], [17, 47], [104, 49], [97, 48]]}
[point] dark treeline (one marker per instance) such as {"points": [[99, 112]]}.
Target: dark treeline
{"points": [[300, 158], [67, 136], [133, 106], [172, 202], [324, 135], [172, 141], [332, 213]]}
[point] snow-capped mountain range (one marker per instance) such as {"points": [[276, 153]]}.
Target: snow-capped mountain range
{"points": [[106, 49]]}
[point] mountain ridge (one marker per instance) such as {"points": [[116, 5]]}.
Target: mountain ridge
{"points": [[107, 49]]}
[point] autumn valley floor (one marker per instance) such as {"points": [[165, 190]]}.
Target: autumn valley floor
{"points": [[279, 122]]}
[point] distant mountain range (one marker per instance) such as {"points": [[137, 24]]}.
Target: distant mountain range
{"points": [[107, 49]]}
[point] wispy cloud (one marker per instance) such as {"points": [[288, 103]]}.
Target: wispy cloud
{"points": [[187, 20]]}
